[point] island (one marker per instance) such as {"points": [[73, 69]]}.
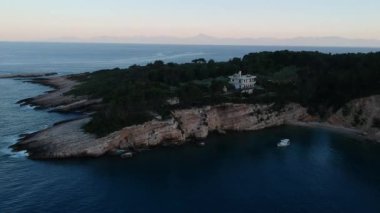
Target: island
{"points": [[125, 111]]}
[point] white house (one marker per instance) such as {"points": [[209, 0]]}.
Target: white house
{"points": [[244, 83]]}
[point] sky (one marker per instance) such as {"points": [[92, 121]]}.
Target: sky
{"points": [[49, 19]]}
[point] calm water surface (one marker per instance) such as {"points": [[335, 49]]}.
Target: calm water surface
{"points": [[321, 171], [74, 57]]}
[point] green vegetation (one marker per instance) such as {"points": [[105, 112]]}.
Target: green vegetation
{"points": [[321, 82]]}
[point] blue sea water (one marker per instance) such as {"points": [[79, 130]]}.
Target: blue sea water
{"points": [[321, 171], [74, 57]]}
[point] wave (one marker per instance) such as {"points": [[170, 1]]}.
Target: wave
{"points": [[5, 150], [28, 107]]}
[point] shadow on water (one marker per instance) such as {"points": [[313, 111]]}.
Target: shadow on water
{"points": [[234, 172]]}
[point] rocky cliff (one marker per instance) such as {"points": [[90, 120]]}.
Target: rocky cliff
{"points": [[68, 140], [57, 99], [361, 114]]}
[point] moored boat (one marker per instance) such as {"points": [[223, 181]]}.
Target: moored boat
{"points": [[284, 143]]}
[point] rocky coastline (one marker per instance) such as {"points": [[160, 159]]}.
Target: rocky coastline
{"points": [[68, 140], [57, 100], [28, 75]]}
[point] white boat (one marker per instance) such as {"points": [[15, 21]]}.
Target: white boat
{"points": [[284, 143], [127, 155]]}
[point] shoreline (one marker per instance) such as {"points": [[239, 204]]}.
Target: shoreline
{"points": [[338, 129], [68, 140], [73, 142], [28, 75], [56, 99]]}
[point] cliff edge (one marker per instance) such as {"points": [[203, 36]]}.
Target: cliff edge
{"points": [[361, 114], [68, 139]]}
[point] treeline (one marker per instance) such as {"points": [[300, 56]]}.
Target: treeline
{"points": [[321, 82]]}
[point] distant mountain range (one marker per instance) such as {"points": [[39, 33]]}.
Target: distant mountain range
{"points": [[206, 39]]}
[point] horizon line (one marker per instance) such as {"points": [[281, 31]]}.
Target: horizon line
{"points": [[187, 44], [204, 39]]}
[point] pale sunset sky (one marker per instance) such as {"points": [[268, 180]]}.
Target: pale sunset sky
{"points": [[48, 19]]}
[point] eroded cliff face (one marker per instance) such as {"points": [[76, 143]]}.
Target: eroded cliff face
{"points": [[68, 140], [362, 114], [197, 123]]}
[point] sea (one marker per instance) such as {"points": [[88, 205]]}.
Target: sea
{"points": [[321, 171]]}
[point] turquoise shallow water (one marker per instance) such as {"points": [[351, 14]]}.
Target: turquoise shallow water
{"points": [[321, 171]]}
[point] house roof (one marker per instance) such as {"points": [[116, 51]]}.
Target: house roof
{"points": [[242, 76]]}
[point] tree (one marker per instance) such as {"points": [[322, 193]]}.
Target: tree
{"points": [[199, 61]]}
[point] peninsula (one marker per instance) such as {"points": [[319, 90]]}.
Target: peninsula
{"points": [[158, 104]]}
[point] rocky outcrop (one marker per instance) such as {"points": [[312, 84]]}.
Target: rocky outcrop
{"points": [[60, 141], [53, 98], [197, 123], [81, 106], [57, 99], [68, 140], [27, 75], [361, 114]]}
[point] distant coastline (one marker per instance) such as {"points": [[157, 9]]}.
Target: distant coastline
{"points": [[203, 39]]}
